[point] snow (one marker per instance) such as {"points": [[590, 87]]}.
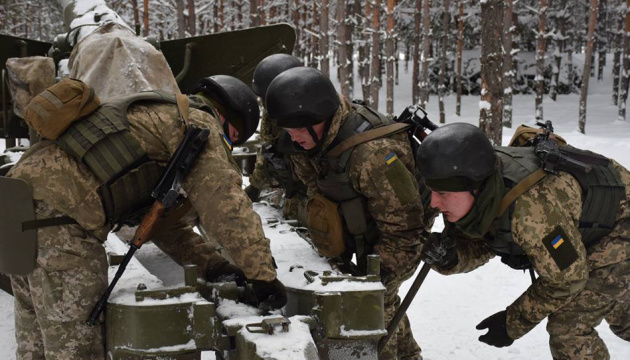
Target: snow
{"points": [[446, 309]]}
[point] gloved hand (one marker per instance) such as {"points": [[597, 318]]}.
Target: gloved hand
{"points": [[226, 272], [270, 295], [439, 251], [252, 192], [497, 331]]}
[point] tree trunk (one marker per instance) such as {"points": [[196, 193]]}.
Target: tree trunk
{"points": [[617, 57], [181, 21], [460, 50], [557, 54], [389, 54], [491, 105], [145, 17], [442, 75], [426, 54], [253, 13], [625, 72], [192, 18], [508, 65], [540, 58], [314, 59], [587, 64], [261, 12], [323, 45], [415, 76], [376, 55], [342, 49], [364, 54], [601, 39]]}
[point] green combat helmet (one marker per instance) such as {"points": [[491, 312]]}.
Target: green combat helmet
{"points": [[456, 157], [269, 68], [236, 100]]}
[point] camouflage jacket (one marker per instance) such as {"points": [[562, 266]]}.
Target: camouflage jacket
{"points": [[555, 202], [213, 187], [396, 208]]}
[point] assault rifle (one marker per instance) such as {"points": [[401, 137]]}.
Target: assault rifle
{"points": [[556, 158], [417, 117], [165, 194]]}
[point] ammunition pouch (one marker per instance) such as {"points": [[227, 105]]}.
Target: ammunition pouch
{"points": [[325, 226]]}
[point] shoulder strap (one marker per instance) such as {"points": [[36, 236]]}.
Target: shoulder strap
{"points": [[366, 136], [519, 189]]}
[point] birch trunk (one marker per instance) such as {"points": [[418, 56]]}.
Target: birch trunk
{"points": [[588, 64], [491, 105], [625, 72], [342, 49], [389, 53], [540, 58], [415, 76], [442, 75], [460, 50], [376, 56], [426, 49]]}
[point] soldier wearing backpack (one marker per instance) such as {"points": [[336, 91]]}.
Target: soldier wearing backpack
{"points": [[363, 196], [560, 211], [94, 171]]}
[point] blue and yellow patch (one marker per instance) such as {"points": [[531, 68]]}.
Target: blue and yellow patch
{"points": [[390, 158], [560, 248], [227, 142]]}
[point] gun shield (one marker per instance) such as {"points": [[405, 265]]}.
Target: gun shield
{"points": [[18, 247]]}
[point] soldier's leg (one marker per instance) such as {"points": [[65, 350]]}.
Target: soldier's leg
{"points": [[619, 318], [571, 329], [70, 277], [30, 344], [290, 208], [402, 345]]}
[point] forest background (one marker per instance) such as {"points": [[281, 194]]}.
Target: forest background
{"points": [[487, 48]]}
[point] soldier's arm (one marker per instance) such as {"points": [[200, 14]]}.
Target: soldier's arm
{"points": [[471, 253], [544, 226], [214, 187], [185, 246], [381, 172]]}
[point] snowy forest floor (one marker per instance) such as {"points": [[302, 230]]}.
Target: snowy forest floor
{"points": [[446, 310]]}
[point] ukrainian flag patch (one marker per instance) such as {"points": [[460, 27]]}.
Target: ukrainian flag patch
{"points": [[560, 248], [390, 158], [227, 142]]}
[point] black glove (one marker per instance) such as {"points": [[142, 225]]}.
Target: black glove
{"points": [[226, 272], [270, 295], [497, 331], [252, 192], [439, 251]]}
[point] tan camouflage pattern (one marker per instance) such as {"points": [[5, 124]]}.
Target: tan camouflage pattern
{"points": [[269, 133], [53, 303], [116, 62], [28, 76], [594, 287], [214, 187], [400, 221]]}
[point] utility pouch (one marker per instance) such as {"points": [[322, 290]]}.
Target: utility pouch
{"points": [[18, 246], [325, 226]]}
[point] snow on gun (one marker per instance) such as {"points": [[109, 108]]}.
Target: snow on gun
{"points": [[329, 315]]}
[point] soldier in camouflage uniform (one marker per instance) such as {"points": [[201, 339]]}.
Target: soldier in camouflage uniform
{"points": [[501, 202], [273, 165], [372, 183], [53, 302]]}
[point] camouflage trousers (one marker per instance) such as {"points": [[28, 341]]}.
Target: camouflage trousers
{"points": [[402, 345], [606, 296], [53, 303]]}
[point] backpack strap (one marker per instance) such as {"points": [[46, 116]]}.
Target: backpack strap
{"points": [[519, 189], [366, 136]]}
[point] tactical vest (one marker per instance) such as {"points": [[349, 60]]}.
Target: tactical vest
{"points": [[103, 142], [360, 230], [279, 167], [602, 191]]}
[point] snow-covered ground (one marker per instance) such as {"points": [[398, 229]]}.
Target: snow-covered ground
{"points": [[446, 310]]}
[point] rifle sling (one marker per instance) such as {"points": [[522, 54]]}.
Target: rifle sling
{"points": [[41, 223], [366, 136]]}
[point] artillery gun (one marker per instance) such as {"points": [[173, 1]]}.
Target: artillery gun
{"points": [[329, 315]]}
